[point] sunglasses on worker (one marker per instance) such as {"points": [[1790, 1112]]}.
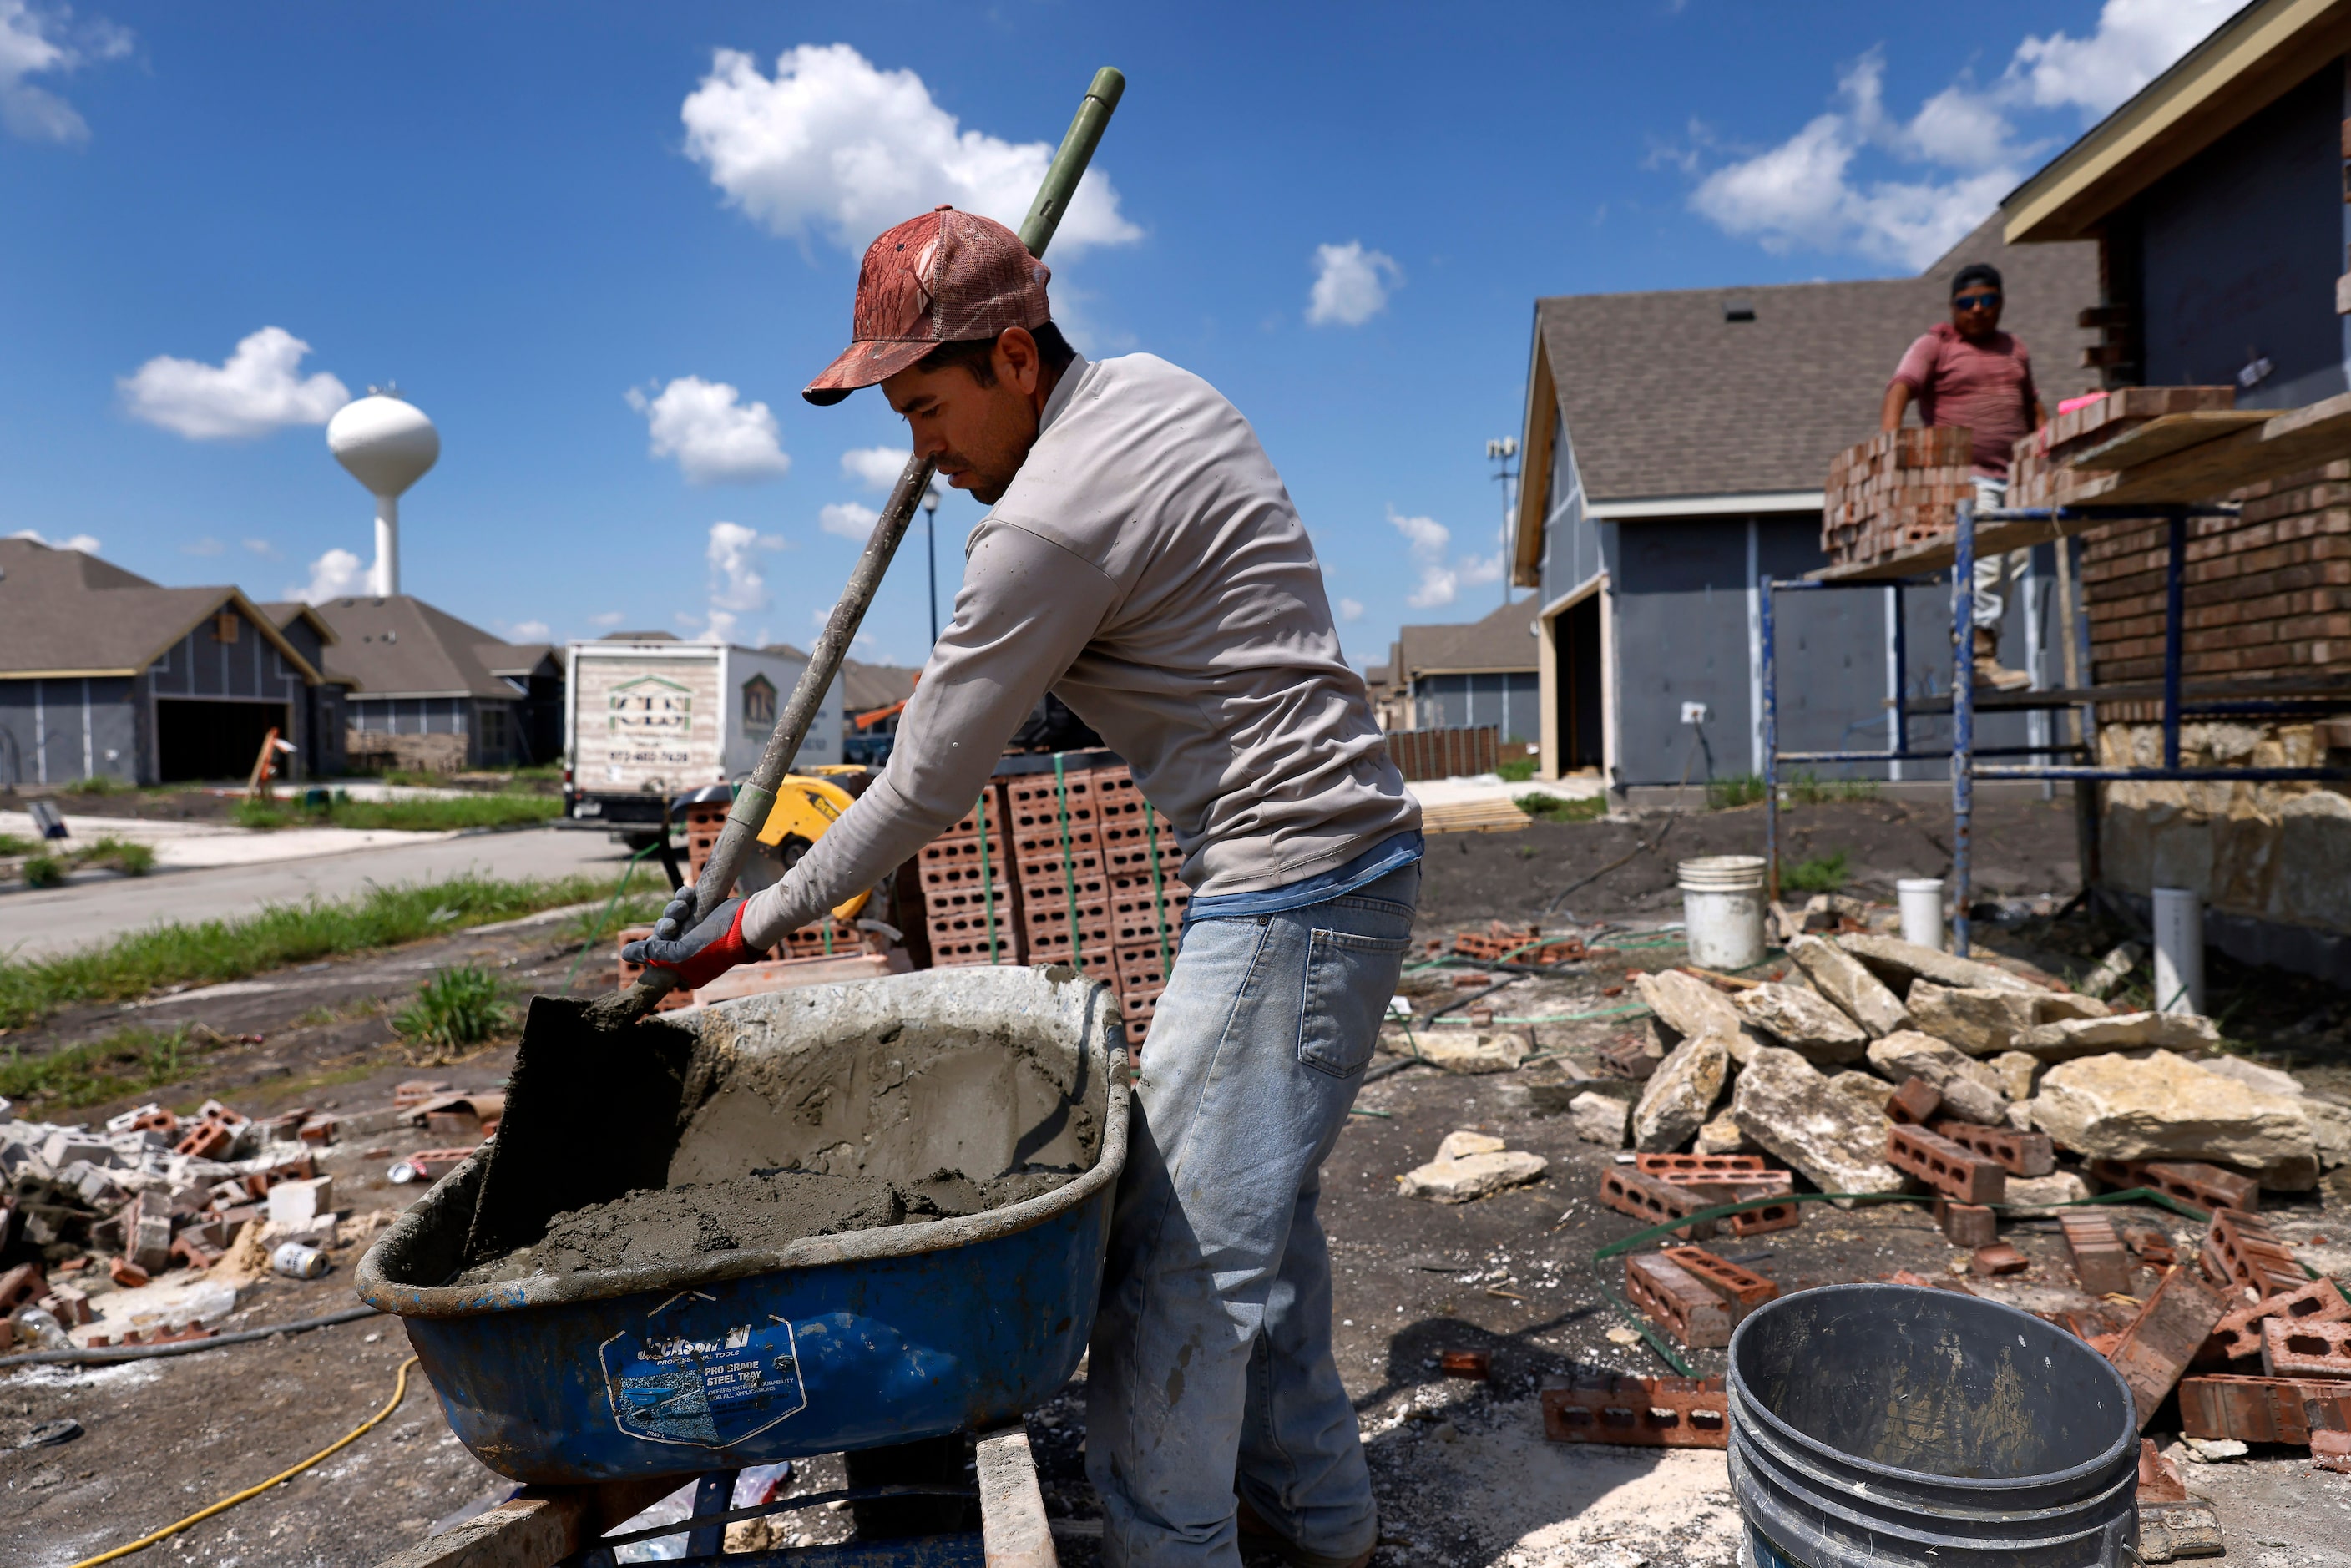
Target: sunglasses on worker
{"points": [[1976, 302]]}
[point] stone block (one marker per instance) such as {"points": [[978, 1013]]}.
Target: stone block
{"points": [[1786, 1106], [1980, 1020], [1722, 1135], [2165, 1107], [298, 1205], [1475, 1177], [1970, 1089], [1680, 1095], [1899, 962], [1804, 1021], [1598, 1118], [1846, 982], [1471, 1051], [2071, 1038]]}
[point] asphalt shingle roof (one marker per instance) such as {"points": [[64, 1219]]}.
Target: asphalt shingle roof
{"points": [[1503, 640], [1663, 396], [402, 646], [66, 610]]}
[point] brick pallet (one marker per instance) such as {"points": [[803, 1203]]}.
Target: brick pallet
{"points": [[1897, 488]]}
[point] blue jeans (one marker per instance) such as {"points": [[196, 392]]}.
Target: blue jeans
{"points": [[1211, 1367]]}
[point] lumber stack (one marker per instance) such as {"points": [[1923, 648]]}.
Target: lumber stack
{"points": [[2067, 462], [1096, 878], [1894, 490]]}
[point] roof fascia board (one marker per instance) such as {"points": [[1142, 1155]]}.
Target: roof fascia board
{"points": [[1542, 417], [1755, 503], [1574, 596], [1472, 669], [67, 674], [2260, 52]]}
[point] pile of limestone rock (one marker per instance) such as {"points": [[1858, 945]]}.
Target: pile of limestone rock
{"points": [[1803, 1068]]}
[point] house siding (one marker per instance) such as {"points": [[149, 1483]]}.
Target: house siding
{"points": [[53, 731], [1507, 699]]}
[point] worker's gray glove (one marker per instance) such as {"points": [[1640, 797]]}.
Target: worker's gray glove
{"points": [[699, 956]]}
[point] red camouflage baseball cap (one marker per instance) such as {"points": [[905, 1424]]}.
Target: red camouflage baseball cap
{"points": [[947, 276]]}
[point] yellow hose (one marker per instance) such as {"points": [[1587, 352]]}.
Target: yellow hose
{"points": [[399, 1393]]}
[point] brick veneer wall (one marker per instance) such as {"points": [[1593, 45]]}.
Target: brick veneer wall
{"points": [[2267, 594]]}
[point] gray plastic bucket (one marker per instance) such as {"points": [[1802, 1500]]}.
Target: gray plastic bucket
{"points": [[1873, 1424]]}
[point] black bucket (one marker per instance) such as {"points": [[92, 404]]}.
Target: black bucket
{"points": [[1873, 1424]]}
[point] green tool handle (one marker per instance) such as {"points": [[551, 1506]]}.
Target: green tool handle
{"points": [[757, 796]]}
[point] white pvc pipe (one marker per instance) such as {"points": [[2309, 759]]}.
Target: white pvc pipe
{"points": [[1722, 910], [2179, 950], [385, 578], [1921, 901]]}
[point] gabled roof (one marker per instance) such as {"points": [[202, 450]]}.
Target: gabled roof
{"points": [[1665, 397], [1504, 640], [2244, 65], [520, 661], [399, 646], [66, 613], [865, 687], [284, 613]]}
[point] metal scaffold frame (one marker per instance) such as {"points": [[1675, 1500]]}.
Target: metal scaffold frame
{"points": [[2178, 703]]}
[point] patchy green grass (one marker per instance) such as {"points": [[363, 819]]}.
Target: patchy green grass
{"points": [[12, 845], [458, 1007], [1738, 789], [215, 950], [52, 858], [1516, 769], [422, 814], [128, 1063], [1807, 790], [98, 785], [1822, 873], [1554, 809]]}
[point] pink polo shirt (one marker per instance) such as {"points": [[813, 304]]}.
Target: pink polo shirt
{"points": [[1986, 387]]}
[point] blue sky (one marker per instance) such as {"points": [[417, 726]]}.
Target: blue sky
{"points": [[591, 240]]}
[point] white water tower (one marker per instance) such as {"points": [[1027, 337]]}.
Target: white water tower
{"points": [[388, 446]]}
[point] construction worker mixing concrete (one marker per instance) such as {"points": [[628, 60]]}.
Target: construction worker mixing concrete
{"points": [[1142, 561]]}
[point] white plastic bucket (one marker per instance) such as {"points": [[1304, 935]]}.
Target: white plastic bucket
{"points": [[2179, 950], [1921, 900], [1722, 910]]}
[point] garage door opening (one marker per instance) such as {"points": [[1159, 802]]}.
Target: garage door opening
{"points": [[208, 740]]}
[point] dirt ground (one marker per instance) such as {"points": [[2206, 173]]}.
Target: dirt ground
{"points": [[1462, 1471]]}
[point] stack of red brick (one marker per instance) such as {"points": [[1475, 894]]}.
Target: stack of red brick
{"points": [[1897, 489], [2042, 469], [970, 899], [1096, 879]]}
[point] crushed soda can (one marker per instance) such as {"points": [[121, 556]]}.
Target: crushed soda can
{"points": [[297, 1262]]}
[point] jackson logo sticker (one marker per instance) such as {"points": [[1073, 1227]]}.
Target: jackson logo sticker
{"points": [[689, 1375]]}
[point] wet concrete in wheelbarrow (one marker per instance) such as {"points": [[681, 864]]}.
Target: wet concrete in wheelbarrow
{"points": [[764, 1211]]}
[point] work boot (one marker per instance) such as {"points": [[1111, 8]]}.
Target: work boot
{"points": [[1257, 1533], [1990, 671]]}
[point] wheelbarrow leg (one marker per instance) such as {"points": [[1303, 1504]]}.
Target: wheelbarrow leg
{"points": [[537, 1530], [714, 1493]]}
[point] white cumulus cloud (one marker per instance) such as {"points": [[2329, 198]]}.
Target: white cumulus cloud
{"points": [[736, 586], [261, 547], [834, 146], [716, 439], [338, 574], [257, 390], [44, 42], [1349, 610], [848, 520], [608, 619], [1425, 540], [527, 631], [1860, 178], [1352, 284], [875, 467], [82, 542]]}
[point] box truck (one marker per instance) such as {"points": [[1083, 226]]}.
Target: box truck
{"points": [[647, 718]]}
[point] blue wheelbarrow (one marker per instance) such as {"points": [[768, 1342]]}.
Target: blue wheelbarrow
{"points": [[868, 1340]]}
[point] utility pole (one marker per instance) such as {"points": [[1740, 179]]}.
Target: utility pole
{"points": [[1501, 453]]}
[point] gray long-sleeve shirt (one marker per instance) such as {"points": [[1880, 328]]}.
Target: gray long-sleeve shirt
{"points": [[1146, 566]]}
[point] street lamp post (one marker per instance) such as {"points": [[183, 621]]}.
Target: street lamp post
{"points": [[930, 543]]}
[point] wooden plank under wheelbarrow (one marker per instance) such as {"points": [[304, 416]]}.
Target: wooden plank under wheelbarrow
{"points": [[545, 1525]]}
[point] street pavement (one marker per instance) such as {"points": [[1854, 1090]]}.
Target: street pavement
{"points": [[94, 908]]}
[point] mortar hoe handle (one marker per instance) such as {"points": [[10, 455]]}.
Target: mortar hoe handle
{"points": [[757, 796]]}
